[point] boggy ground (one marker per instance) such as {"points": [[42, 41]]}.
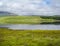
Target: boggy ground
{"points": [[10, 37]]}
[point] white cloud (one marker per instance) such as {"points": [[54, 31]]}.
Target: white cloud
{"points": [[33, 7], [1, 3]]}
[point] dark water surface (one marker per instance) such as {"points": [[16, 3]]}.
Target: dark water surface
{"points": [[31, 27]]}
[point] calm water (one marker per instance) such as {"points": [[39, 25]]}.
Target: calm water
{"points": [[32, 27]]}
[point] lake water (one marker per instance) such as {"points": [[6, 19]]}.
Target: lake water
{"points": [[31, 27]]}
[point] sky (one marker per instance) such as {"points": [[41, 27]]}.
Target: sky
{"points": [[31, 7]]}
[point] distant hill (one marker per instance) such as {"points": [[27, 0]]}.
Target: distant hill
{"points": [[4, 13]]}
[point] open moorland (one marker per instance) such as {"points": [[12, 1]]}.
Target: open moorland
{"points": [[9, 37], [27, 20]]}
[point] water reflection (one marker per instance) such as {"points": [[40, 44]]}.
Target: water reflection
{"points": [[31, 27]]}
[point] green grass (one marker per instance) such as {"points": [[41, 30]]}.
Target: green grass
{"points": [[10, 37], [23, 20]]}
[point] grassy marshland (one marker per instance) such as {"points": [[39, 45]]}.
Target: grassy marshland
{"points": [[10, 37]]}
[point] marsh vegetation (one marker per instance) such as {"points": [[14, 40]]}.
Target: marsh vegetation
{"points": [[10, 37]]}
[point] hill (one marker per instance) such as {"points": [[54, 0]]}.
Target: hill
{"points": [[5, 13]]}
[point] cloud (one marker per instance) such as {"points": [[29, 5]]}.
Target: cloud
{"points": [[31, 7], [1, 3]]}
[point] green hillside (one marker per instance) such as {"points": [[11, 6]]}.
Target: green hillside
{"points": [[23, 20]]}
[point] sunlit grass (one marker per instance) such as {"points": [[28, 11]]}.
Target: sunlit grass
{"points": [[10, 37], [23, 20]]}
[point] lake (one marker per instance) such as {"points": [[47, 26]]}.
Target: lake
{"points": [[31, 27]]}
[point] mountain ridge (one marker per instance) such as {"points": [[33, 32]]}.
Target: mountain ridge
{"points": [[5, 13]]}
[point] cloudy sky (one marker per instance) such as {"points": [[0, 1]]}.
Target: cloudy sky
{"points": [[31, 7]]}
